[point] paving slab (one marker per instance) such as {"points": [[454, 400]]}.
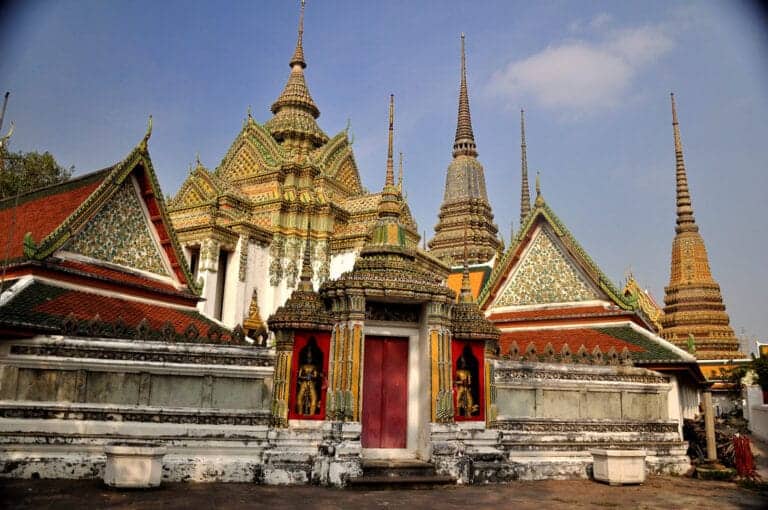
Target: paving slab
{"points": [[666, 493]]}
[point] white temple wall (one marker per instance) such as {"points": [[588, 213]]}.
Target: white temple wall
{"points": [[342, 262]]}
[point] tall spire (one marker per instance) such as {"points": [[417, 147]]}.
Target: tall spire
{"points": [[525, 189], [295, 112], [298, 54], [464, 143], [400, 175], [685, 219], [389, 205], [305, 280], [694, 312], [466, 289], [390, 177]]}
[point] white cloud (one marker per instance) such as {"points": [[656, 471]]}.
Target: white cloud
{"points": [[580, 76]]}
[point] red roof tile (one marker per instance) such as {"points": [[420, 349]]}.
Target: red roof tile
{"points": [[588, 311], [117, 275], [41, 211], [575, 338]]}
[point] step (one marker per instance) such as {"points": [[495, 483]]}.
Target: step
{"points": [[399, 474], [399, 482], [398, 468]]}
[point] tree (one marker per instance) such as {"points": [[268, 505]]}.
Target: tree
{"points": [[24, 171]]}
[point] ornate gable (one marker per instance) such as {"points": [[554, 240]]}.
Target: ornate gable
{"points": [[119, 233], [546, 274], [545, 264], [337, 161], [253, 151]]}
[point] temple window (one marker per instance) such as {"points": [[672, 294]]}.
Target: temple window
{"points": [[221, 279], [193, 253]]}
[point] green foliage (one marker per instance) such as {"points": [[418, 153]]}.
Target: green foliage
{"points": [[760, 367], [24, 171]]}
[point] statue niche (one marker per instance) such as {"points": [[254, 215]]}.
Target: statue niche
{"points": [[309, 380], [466, 381]]}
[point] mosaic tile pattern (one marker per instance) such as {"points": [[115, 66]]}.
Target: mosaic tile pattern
{"points": [[119, 233], [546, 275]]}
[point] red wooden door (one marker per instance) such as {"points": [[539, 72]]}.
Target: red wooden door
{"points": [[385, 392]]}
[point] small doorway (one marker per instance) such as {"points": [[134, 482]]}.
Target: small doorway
{"points": [[385, 392]]}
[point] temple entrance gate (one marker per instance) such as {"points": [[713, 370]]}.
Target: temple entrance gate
{"points": [[385, 392]]}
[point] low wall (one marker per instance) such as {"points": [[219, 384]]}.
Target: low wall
{"points": [[551, 415], [63, 399]]}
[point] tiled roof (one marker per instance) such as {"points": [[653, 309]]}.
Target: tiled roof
{"points": [[557, 313], [117, 275], [45, 308], [642, 348], [41, 211]]}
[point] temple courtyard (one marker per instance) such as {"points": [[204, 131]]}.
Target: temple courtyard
{"points": [[657, 492]]}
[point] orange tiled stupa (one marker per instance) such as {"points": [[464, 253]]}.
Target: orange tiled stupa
{"points": [[694, 312]]}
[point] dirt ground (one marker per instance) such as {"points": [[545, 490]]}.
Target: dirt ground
{"points": [[667, 493]]}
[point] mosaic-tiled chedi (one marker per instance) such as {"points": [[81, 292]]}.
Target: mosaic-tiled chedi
{"points": [[694, 308], [465, 207]]}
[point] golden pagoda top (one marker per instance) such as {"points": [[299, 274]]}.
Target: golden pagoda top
{"points": [[693, 303]]}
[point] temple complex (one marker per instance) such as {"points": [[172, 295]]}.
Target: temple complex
{"points": [[276, 323]]}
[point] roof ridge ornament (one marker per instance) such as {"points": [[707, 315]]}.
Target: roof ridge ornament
{"points": [[685, 219], [147, 134], [539, 196], [464, 143]]}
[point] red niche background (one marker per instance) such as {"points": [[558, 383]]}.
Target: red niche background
{"points": [[478, 351], [301, 339]]}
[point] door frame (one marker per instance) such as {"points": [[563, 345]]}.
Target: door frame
{"points": [[416, 374]]}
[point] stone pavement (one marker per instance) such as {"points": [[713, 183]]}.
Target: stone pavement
{"points": [[667, 493]]}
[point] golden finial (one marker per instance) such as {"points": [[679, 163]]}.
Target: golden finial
{"points": [[249, 113], [298, 55], [390, 178], [525, 190], [685, 218], [464, 143]]}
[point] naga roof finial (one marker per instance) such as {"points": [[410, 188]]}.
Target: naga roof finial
{"points": [[525, 190], [464, 143], [147, 134], [685, 219]]}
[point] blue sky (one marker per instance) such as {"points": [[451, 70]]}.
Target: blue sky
{"points": [[594, 78]]}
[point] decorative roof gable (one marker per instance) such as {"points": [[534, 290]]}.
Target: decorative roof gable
{"points": [[545, 265], [120, 233], [91, 217], [545, 274]]}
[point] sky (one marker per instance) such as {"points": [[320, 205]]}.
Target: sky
{"points": [[594, 78]]}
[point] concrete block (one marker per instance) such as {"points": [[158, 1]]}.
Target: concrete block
{"points": [[133, 466], [618, 467]]}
